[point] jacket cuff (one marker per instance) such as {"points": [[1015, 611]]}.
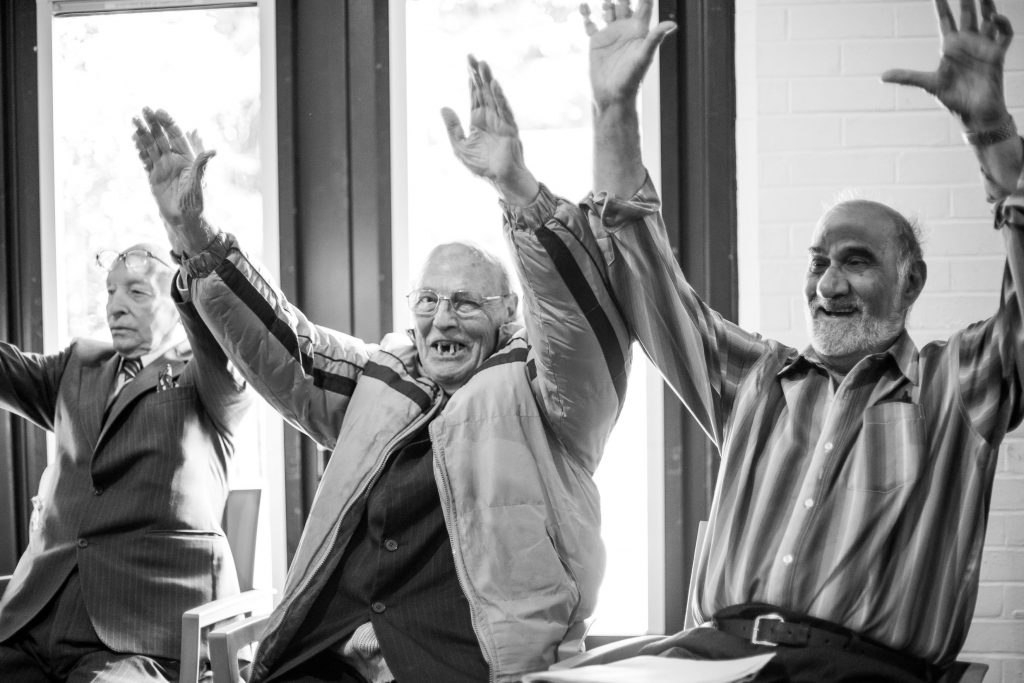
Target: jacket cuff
{"points": [[206, 261], [1010, 211], [536, 214], [615, 212]]}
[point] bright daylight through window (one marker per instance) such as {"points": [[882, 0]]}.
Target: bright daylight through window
{"points": [[537, 49], [203, 66]]}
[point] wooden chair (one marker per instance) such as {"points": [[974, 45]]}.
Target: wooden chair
{"points": [[241, 519]]}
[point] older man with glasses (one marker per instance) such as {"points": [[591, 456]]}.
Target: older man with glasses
{"points": [[455, 533], [125, 529]]}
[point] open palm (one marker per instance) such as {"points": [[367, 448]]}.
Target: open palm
{"points": [[969, 78]]}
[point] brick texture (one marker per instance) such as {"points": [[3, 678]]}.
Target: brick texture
{"points": [[824, 124]]}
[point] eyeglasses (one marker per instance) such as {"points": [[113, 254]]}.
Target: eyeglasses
{"points": [[134, 259], [426, 301]]}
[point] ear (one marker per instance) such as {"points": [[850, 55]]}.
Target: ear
{"points": [[916, 277], [511, 306]]}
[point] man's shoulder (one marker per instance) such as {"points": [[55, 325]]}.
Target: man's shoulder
{"points": [[90, 350]]}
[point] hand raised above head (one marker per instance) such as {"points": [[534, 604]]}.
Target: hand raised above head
{"points": [[492, 149], [969, 78], [175, 164], [622, 51]]}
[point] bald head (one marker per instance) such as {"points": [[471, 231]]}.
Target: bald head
{"points": [[453, 341]]}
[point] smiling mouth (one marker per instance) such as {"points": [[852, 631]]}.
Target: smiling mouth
{"points": [[447, 348], [838, 312]]}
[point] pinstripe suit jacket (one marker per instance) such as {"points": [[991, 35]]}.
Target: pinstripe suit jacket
{"points": [[136, 492]]}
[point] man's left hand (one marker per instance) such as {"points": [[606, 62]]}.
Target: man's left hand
{"points": [[969, 79]]}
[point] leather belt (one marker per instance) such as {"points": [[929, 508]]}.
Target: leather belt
{"points": [[772, 630]]}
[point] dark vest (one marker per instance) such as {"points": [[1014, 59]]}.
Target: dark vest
{"points": [[398, 574]]}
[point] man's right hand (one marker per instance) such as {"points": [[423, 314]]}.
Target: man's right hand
{"points": [[623, 50], [175, 164]]}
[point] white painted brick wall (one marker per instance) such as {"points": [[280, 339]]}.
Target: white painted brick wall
{"points": [[814, 119]]}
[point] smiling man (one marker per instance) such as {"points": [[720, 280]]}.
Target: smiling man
{"points": [[846, 530], [455, 533], [865, 271], [125, 530]]}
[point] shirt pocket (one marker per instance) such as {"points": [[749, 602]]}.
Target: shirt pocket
{"points": [[890, 451]]}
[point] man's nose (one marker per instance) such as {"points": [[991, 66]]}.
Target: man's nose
{"points": [[445, 316], [833, 283], [115, 305]]}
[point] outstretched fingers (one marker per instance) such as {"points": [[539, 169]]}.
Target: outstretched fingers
{"points": [[456, 135], [968, 16], [926, 80], [588, 24], [175, 139], [144, 143], [947, 24]]}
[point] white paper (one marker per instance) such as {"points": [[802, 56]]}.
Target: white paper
{"points": [[647, 669]]}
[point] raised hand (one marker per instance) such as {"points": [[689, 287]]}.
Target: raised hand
{"points": [[622, 51], [492, 149], [969, 79], [175, 164]]}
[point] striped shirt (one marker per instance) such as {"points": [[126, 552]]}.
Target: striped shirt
{"points": [[862, 503]]}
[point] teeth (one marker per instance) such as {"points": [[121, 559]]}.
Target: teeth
{"points": [[447, 348]]}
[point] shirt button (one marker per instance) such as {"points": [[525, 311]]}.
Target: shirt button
{"points": [[97, 491], [809, 503], [787, 559], [82, 543], [828, 446], [391, 544], [378, 607]]}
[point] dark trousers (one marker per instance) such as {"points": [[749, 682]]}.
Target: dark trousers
{"points": [[61, 645], [321, 668], [789, 665]]}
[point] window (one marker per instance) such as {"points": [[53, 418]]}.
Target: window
{"points": [[100, 64], [538, 51]]}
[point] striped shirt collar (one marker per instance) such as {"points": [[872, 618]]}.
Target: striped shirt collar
{"points": [[903, 351]]}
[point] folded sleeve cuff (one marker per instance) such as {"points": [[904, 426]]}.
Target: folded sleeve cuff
{"points": [[206, 261], [615, 212], [532, 216]]}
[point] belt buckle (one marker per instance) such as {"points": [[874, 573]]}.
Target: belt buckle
{"points": [[755, 635]]}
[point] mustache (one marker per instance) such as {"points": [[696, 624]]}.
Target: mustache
{"points": [[844, 303]]}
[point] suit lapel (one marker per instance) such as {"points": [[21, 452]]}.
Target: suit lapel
{"points": [[95, 382], [143, 383]]}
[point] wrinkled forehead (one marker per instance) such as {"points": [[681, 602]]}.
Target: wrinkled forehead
{"points": [[455, 267], [860, 224]]}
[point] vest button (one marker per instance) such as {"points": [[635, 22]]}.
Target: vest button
{"points": [[82, 543], [391, 544], [378, 607]]}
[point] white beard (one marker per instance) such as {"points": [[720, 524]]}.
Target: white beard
{"points": [[858, 333]]}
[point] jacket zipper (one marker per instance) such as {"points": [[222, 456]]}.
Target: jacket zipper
{"points": [[388, 450], [460, 574]]}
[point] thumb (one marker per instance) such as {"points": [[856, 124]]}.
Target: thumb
{"points": [[925, 80], [453, 125], [191, 202]]}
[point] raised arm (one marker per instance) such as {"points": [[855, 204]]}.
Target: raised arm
{"points": [[620, 55], [306, 372], [701, 356], [579, 344], [968, 82], [222, 391]]}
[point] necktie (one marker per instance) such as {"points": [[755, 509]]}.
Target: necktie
{"points": [[126, 373], [129, 368]]}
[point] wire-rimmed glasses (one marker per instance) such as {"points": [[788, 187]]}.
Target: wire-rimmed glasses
{"points": [[133, 259], [462, 302]]}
